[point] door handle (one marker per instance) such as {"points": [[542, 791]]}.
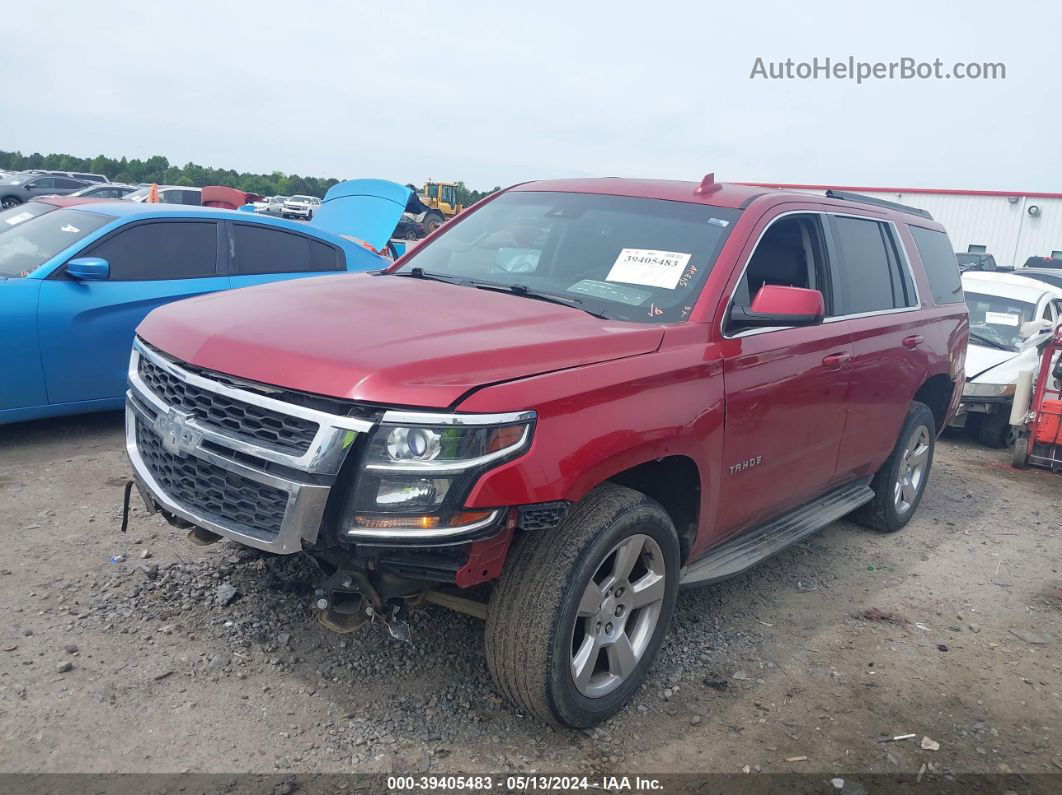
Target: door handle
{"points": [[913, 341], [835, 360]]}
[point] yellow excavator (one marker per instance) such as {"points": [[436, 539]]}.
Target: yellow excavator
{"points": [[441, 200]]}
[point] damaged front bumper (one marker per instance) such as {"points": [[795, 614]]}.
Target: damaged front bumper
{"points": [[260, 494]]}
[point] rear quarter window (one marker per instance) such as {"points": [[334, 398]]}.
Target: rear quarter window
{"points": [[942, 268]]}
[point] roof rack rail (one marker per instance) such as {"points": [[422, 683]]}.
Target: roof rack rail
{"points": [[859, 197]]}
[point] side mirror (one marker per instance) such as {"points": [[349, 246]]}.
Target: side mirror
{"points": [[775, 305], [89, 269]]}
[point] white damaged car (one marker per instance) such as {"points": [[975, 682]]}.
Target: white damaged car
{"points": [[1011, 318]]}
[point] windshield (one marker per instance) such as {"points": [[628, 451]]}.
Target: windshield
{"points": [[36, 241], [21, 213], [998, 320], [301, 199], [626, 258]]}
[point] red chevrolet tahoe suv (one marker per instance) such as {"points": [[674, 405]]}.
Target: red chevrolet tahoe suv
{"points": [[568, 403]]}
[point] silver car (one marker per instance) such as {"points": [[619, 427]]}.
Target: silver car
{"points": [[20, 188]]}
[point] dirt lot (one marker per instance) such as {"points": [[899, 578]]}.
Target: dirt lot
{"points": [[950, 630]]}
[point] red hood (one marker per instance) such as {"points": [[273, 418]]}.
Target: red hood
{"points": [[386, 339]]}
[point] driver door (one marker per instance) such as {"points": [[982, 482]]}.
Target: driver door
{"points": [[786, 388], [87, 327]]}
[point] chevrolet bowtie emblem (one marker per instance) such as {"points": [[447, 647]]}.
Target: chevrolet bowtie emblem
{"points": [[177, 435]]}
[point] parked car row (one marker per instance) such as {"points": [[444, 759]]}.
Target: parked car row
{"points": [[78, 274], [271, 205]]}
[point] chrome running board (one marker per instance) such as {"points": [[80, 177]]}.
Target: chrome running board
{"points": [[751, 546]]}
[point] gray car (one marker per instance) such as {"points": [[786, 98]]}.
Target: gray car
{"points": [[19, 188]]}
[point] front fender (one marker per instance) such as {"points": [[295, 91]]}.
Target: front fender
{"points": [[599, 420]]}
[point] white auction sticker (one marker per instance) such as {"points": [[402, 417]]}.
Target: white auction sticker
{"points": [[649, 267], [19, 218], [1002, 319]]}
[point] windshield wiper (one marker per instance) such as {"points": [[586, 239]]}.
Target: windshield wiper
{"points": [[990, 342], [538, 295], [420, 273]]}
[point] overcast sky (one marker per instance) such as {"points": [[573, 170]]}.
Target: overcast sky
{"points": [[495, 93]]}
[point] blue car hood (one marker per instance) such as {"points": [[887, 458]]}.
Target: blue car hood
{"points": [[367, 209]]}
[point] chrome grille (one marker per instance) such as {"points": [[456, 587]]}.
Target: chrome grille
{"points": [[287, 433], [203, 486]]}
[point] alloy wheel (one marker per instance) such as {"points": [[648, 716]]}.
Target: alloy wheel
{"points": [[912, 469], [617, 615]]}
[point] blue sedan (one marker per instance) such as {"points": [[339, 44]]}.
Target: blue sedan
{"points": [[75, 283]]}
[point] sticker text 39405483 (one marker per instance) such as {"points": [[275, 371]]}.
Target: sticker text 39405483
{"points": [[649, 267]]}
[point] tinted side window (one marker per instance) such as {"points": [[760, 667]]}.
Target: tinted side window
{"points": [[324, 257], [161, 250], [73, 184], [934, 248], [43, 182], [263, 250], [870, 266]]}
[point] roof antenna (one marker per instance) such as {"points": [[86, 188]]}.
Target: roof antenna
{"points": [[708, 185]]}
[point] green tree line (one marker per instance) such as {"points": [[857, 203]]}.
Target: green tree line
{"points": [[158, 169]]}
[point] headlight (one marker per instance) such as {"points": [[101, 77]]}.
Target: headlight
{"points": [[417, 470], [971, 389]]}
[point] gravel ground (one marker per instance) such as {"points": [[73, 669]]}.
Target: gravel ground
{"points": [[180, 658]]}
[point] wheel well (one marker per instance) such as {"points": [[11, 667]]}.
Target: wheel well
{"points": [[675, 483], [936, 393]]}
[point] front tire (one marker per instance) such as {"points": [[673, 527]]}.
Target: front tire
{"points": [[580, 611], [1019, 451], [10, 201], [900, 483], [995, 430]]}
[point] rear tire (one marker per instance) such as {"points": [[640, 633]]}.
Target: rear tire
{"points": [[900, 483], [580, 611]]}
